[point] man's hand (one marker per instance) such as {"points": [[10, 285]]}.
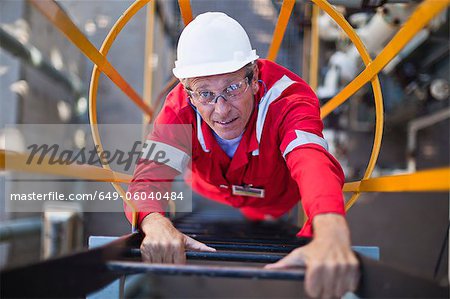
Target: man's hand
{"points": [[331, 266], [163, 243]]}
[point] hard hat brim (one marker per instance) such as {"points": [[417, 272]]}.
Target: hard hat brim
{"points": [[210, 69]]}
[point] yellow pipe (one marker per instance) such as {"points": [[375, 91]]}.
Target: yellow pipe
{"points": [[148, 59], [317, 1], [308, 50], [169, 85], [314, 64], [62, 21], [312, 79], [148, 75], [306, 46], [426, 11], [376, 87], [355, 196], [280, 28], [2, 160], [186, 11], [394, 46], [431, 180], [13, 161], [106, 46]]}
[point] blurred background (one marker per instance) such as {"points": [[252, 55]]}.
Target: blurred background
{"points": [[44, 79]]}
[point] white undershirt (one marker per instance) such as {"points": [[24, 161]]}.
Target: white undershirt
{"points": [[229, 146]]}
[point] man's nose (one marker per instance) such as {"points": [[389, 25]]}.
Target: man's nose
{"points": [[222, 106]]}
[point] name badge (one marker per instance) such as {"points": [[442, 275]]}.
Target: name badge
{"points": [[247, 191]]}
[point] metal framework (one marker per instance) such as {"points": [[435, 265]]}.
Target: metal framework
{"points": [[436, 179], [103, 261], [95, 268]]}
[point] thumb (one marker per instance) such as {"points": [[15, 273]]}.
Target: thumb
{"points": [[195, 245], [292, 260]]}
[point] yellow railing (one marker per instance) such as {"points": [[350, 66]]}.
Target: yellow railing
{"points": [[280, 28], [104, 49], [314, 64], [186, 11], [61, 20], [434, 180], [420, 17], [18, 162]]}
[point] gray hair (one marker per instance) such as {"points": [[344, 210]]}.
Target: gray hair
{"points": [[249, 67]]}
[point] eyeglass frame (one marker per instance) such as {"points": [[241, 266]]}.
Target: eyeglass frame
{"points": [[248, 78]]}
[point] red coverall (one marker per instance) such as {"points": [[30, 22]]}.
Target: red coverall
{"points": [[282, 151]]}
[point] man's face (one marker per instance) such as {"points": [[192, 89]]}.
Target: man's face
{"points": [[228, 118]]}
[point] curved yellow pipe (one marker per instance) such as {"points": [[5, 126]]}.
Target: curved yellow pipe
{"points": [[280, 28], [379, 116], [435, 180], [370, 70], [315, 43], [186, 11], [426, 11], [58, 17], [106, 46]]}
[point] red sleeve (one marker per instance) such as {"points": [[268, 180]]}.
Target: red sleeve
{"points": [[171, 136], [147, 179], [320, 179], [318, 174]]}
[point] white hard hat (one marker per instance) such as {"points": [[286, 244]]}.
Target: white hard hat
{"points": [[212, 44]]}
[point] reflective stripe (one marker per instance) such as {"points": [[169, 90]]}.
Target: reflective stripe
{"points": [[200, 137], [305, 138], [272, 94], [165, 154]]}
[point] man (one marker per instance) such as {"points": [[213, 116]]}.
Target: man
{"points": [[257, 145]]}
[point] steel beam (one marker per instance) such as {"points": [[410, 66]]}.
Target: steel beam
{"points": [[33, 57], [223, 256], [208, 271], [19, 228]]}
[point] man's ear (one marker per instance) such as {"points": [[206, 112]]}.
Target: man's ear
{"points": [[184, 82], [255, 84], [185, 85]]}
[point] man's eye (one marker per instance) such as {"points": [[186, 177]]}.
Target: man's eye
{"points": [[205, 94], [233, 87]]}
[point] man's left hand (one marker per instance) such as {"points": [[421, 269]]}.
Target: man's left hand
{"points": [[331, 266]]}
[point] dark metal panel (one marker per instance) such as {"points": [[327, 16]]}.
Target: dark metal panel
{"points": [[71, 276], [223, 256], [382, 281], [208, 271]]}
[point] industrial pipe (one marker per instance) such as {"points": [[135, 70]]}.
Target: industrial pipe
{"points": [[19, 228], [33, 57], [223, 256]]}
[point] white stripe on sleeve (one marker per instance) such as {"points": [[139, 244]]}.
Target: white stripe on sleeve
{"points": [[165, 154], [305, 138]]}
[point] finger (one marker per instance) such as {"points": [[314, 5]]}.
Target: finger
{"points": [[167, 253], [291, 260], [312, 280], [156, 254], [355, 277], [342, 280], [150, 258], [179, 257], [328, 283], [341, 274], [145, 253], [176, 250], [192, 244]]}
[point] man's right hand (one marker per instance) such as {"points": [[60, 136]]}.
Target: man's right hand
{"points": [[163, 243]]}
